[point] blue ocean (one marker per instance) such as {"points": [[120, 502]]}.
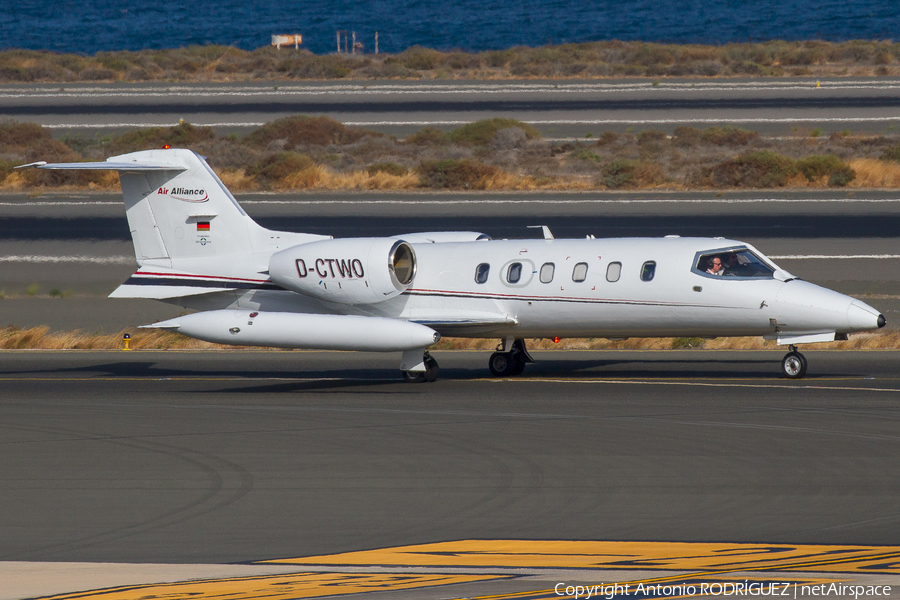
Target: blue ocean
{"points": [[89, 26]]}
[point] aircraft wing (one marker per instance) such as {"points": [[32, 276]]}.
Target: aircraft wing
{"points": [[467, 321]]}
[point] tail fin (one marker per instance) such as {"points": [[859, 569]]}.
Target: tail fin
{"points": [[177, 207]]}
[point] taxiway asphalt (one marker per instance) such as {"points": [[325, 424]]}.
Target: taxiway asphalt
{"points": [[213, 457]]}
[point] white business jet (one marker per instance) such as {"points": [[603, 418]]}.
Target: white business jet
{"points": [[197, 248]]}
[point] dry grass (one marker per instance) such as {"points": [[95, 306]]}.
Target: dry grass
{"points": [[874, 173], [40, 338]]}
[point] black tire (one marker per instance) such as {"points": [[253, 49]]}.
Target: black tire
{"points": [[414, 376], [501, 364], [793, 365], [431, 369], [518, 360]]}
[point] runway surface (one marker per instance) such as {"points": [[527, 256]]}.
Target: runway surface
{"points": [[559, 108]]}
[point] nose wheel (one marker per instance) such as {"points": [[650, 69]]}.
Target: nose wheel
{"points": [[429, 375], [793, 365]]}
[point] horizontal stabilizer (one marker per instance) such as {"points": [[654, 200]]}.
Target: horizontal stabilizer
{"points": [[106, 166], [159, 283]]}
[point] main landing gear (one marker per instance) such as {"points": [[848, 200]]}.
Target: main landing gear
{"points": [[510, 359], [793, 365]]}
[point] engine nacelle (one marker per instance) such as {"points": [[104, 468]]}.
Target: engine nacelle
{"points": [[349, 271]]}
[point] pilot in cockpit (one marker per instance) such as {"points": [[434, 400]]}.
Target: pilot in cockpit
{"points": [[715, 266]]}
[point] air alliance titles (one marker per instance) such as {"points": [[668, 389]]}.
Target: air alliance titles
{"points": [[184, 194]]}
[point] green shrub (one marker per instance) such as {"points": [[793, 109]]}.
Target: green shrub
{"points": [[279, 166], [631, 173], [585, 154], [892, 153], [762, 168], [684, 343], [428, 136], [651, 135], [686, 136], [728, 136], [607, 137], [818, 166], [17, 136], [455, 174], [420, 59], [480, 133], [388, 167], [302, 130], [182, 135]]}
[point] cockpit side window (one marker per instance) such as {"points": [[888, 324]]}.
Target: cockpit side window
{"points": [[734, 262]]}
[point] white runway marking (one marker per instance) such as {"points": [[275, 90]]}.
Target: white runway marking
{"points": [[365, 88], [432, 123], [700, 384]]}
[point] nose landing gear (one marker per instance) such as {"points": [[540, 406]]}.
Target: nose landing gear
{"points": [[430, 373], [793, 365]]}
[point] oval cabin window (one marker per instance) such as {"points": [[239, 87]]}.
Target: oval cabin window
{"points": [[579, 273], [613, 272], [547, 272], [514, 273]]}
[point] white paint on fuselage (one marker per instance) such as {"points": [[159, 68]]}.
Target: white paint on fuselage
{"points": [[678, 301]]}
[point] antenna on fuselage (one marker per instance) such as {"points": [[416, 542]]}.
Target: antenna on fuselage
{"points": [[543, 228]]}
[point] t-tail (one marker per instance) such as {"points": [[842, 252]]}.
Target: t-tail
{"points": [[186, 225]]}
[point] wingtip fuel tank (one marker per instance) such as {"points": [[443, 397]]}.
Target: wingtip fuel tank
{"points": [[302, 330]]}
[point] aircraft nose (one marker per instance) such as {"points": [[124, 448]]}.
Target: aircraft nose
{"points": [[862, 317]]}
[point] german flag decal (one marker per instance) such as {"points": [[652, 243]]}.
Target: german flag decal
{"points": [[203, 226]]}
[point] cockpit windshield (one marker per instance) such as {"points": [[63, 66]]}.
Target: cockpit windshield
{"points": [[733, 262]]}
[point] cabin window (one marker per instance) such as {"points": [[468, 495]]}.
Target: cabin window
{"points": [[613, 272], [579, 273], [481, 272], [739, 263], [514, 273], [547, 270], [648, 270]]}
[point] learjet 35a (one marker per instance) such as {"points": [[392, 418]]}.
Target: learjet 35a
{"points": [[197, 248]]}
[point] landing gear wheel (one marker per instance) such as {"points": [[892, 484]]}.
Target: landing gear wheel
{"points": [[414, 376], [518, 360], [428, 375], [431, 369], [501, 364], [793, 365]]}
